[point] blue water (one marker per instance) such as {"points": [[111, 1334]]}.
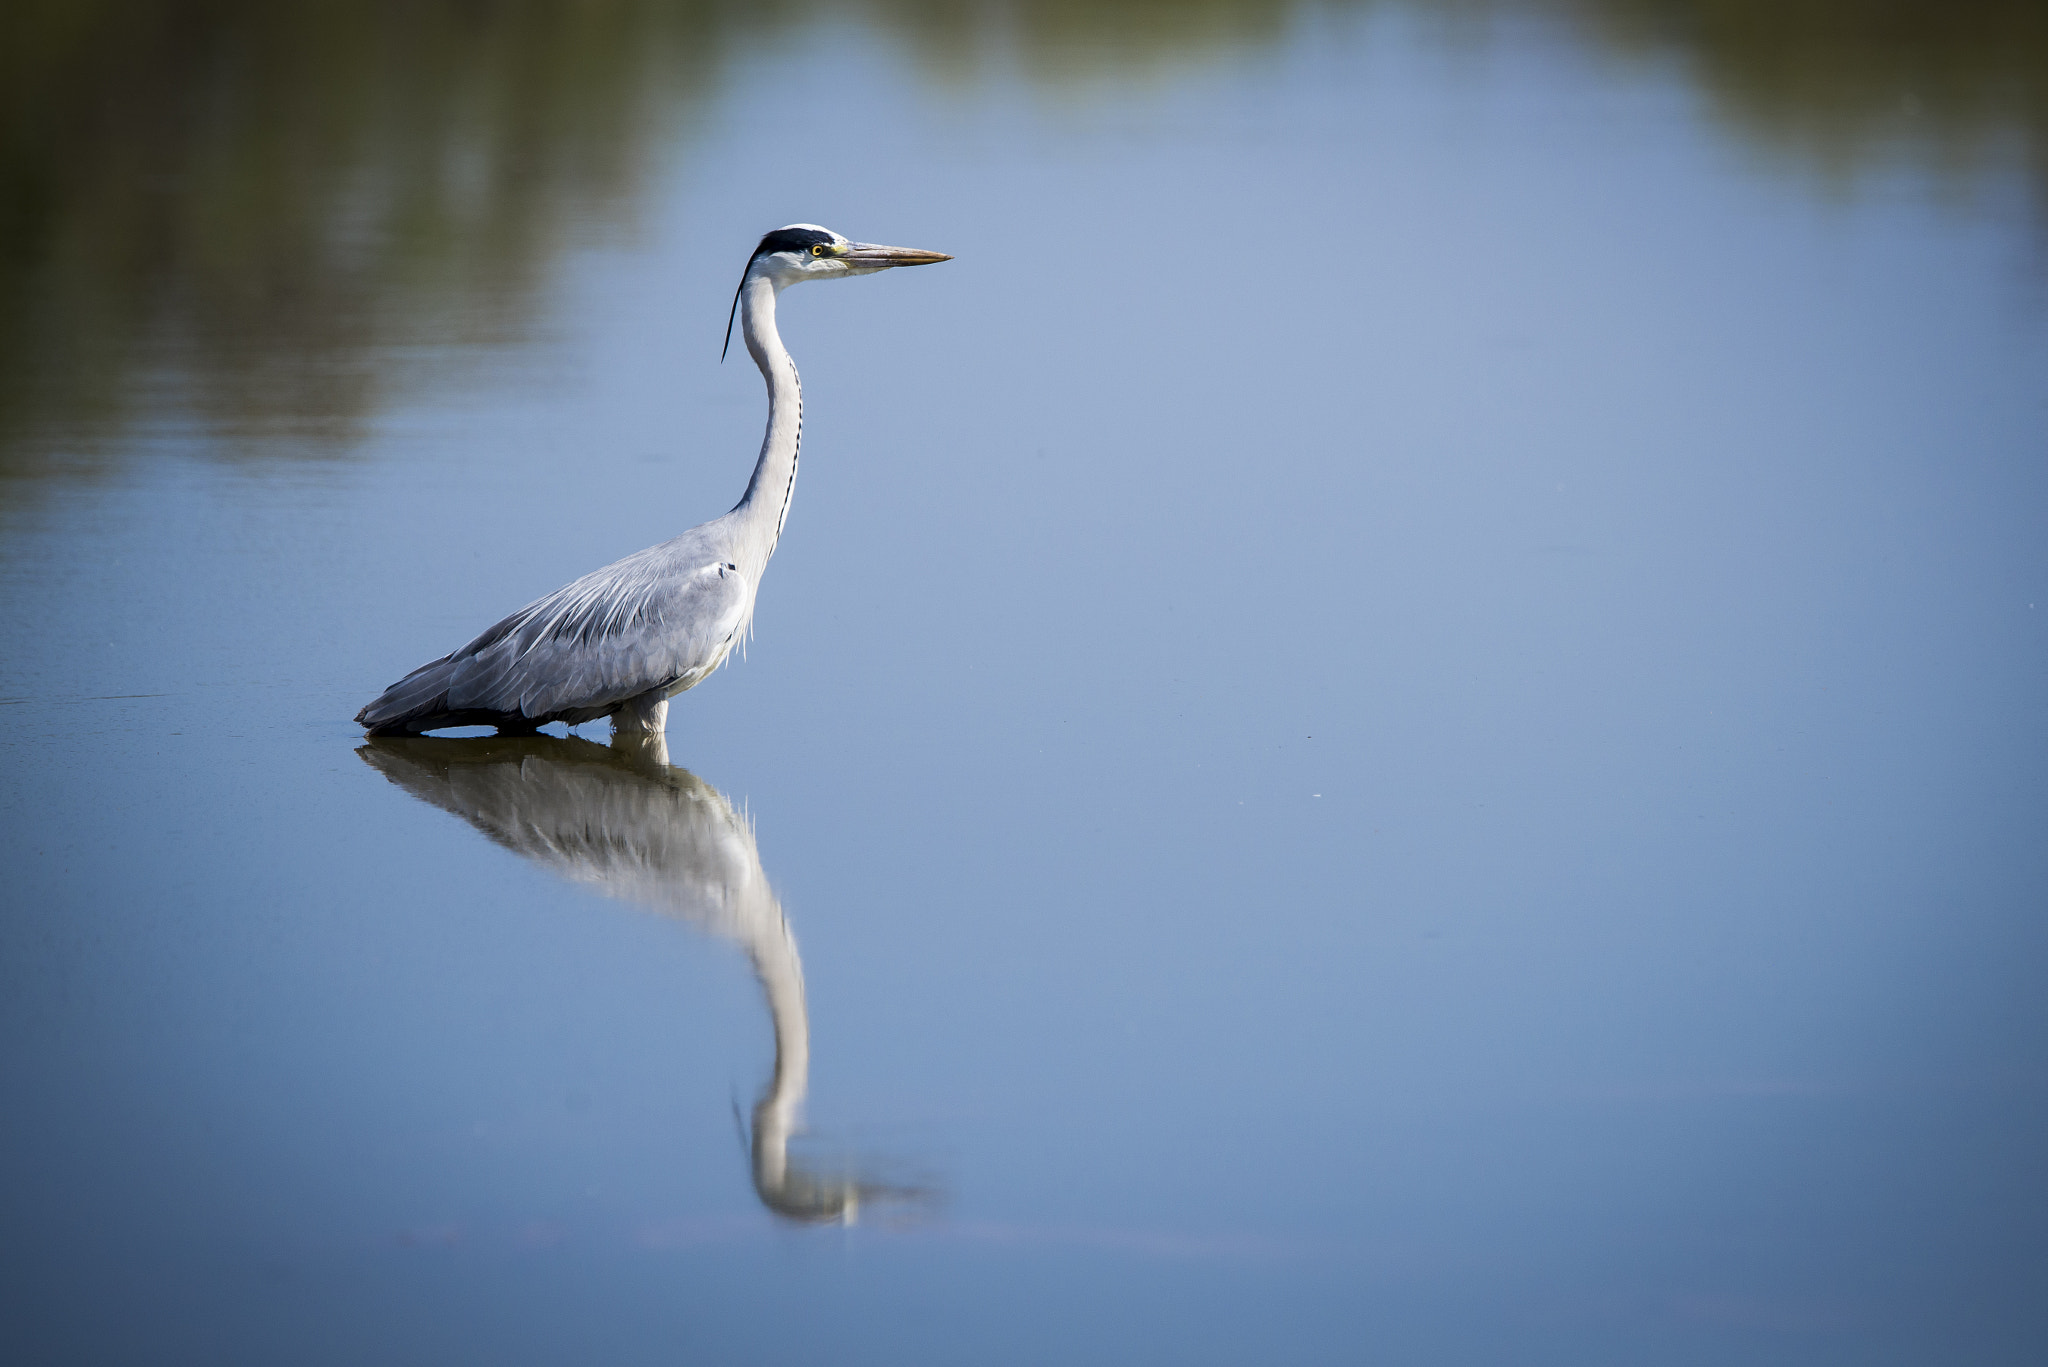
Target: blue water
{"points": [[1402, 720]]}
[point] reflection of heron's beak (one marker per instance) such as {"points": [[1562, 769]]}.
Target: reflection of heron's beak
{"points": [[869, 256]]}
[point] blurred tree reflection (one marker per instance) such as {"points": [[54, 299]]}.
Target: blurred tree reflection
{"points": [[256, 215], [249, 204], [1951, 86]]}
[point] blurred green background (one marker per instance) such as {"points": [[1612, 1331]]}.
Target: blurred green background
{"points": [[262, 214]]}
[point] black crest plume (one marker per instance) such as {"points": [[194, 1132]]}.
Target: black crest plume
{"points": [[781, 240]]}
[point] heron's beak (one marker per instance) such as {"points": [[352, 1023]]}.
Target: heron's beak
{"points": [[870, 256]]}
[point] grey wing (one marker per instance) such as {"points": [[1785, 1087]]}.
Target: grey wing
{"points": [[662, 619], [650, 621]]}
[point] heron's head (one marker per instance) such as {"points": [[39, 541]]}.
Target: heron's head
{"points": [[804, 251]]}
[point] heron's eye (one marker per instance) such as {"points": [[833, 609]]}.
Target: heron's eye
{"points": [[817, 249]]}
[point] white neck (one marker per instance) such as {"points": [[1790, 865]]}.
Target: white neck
{"points": [[765, 505]]}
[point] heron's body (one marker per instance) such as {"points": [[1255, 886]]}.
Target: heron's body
{"points": [[623, 640]]}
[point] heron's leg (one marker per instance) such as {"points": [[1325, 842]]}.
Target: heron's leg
{"points": [[645, 715]]}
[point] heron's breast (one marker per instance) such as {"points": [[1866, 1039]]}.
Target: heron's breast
{"points": [[692, 677]]}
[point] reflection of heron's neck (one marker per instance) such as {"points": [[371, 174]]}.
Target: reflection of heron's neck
{"points": [[629, 824], [780, 1107]]}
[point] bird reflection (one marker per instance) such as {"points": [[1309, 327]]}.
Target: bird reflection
{"points": [[624, 820]]}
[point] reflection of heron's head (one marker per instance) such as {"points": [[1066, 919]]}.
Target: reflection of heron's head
{"points": [[799, 1191], [807, 1197]]}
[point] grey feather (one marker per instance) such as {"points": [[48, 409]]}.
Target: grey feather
{"points": [[660, 620]]}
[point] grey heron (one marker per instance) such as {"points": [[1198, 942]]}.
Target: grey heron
{"points": [[623, 640], [624, 821]]}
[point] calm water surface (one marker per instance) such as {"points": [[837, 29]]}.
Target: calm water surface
{"points": [[1402, 721]]}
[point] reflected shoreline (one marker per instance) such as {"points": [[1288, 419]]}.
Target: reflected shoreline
{"points": [[624, 821], [255, 217]]}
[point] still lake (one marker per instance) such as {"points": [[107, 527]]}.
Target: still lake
{"points": [[1403, 720]]}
